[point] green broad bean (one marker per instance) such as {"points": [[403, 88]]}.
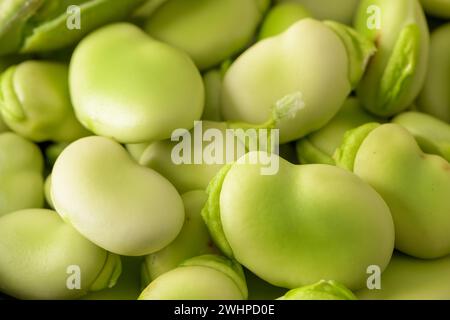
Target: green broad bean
{"points": [[35, 102], [40, 252], [415, 185], [435, 96], [281, 17], [193, 27], [432, 134], [21, 174], [396, 73], [30, 26], [112, 201], [333, 225], [224, 149], [164, 93], [207, 277], [323, 56]]}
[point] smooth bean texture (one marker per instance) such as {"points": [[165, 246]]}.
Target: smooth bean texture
{"points": [[194, 26], [130, 87], [435, 96], [384, 156], [281, 17], [408, 278], [21, 174], [397, 72], [35, 102], [41, 26], [120, 206], [224, 150], [205, 277], [38, 249], [293, 59]]}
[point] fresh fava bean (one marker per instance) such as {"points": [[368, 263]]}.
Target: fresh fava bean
{"points": [[396, 73], [281, 17], [192, 241], [435, 96], [194, 26], [213, 86], [319, 146], [341, 11], [433, 135], [332, 224], [407, 278], [35, 102], [415, 185], [207, 277], [111, 200], [21, 174], [308, 59], [4, 64], [438, 8], [128, 286], [323, 290], [104, 99], [40, 252], [130, 87], [40, 25]]}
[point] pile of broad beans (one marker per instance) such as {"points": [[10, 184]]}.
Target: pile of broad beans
{"points": [[225, 149]]}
